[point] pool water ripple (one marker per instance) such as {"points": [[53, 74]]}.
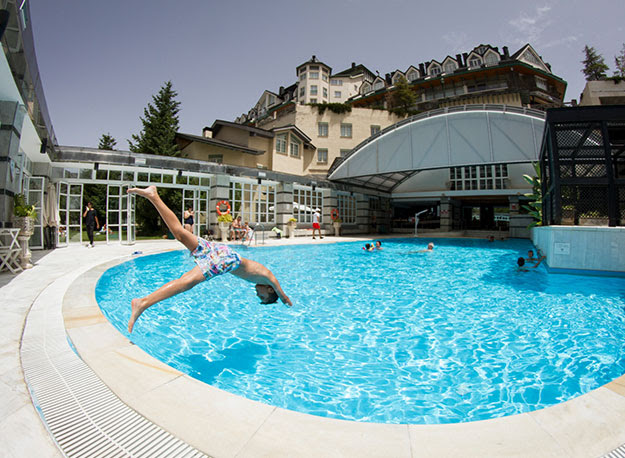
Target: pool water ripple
{"points": [[394, 336]]}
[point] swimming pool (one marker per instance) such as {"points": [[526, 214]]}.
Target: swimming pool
{"points": [[392, 336]]}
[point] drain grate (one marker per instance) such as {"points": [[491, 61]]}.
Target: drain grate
{"points": [[83, 416]]}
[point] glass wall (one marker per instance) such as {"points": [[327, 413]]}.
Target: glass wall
{"points": [[253, 202], [305, 201], [346, 204]]}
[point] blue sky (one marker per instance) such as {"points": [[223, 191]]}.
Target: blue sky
{"points": [[101, 61]]}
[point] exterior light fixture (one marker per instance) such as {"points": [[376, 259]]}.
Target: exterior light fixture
{"points": [[96, 166]]}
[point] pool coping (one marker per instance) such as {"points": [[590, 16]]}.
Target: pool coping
{"points": [[223, 424]]}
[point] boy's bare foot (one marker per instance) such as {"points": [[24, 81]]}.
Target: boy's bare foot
{"points": [[148, 192], [136, 309]]}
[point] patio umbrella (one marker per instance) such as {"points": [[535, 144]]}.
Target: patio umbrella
{"points": [[50, 217]]}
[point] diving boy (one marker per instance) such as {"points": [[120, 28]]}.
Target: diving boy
{"points": [[212, 259]]}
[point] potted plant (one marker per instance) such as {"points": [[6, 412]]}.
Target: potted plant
{"points": [[290, 227], [24, 218], [337, 226], [224, 225]]}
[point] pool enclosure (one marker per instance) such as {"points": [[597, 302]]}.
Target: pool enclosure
{"points": [[582, 163]]}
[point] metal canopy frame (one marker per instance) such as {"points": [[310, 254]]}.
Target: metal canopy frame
{"points": [[449, 137]]}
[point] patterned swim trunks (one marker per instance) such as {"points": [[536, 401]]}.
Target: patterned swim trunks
{"points": [[215, 258]]}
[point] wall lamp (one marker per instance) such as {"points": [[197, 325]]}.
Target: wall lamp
{"points": [[314, 185], [96, 166], [179, 173], [261, 175]]}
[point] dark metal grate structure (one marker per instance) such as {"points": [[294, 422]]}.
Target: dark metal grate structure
{"points": [[582, 162]]}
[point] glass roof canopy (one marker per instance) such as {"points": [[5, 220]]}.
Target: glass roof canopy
{"points": [[448, 137]]}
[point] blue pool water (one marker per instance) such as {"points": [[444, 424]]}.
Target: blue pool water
{"points": [[393, 336]]}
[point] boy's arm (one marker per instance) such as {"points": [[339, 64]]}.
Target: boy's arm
{"points": [[541, 259], [255, 272]]}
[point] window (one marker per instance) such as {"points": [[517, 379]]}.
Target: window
{"points": [[281, 143], [345, 152], [365, 88], [375, 130], [324, 77], [435, 70], [218, 158], [346, 130], [254, 202], [313, 90], [413, 75], [322, 129], [336, 82], [305, 201], [325, 92], [347, 208], [302, 77], [396, 78], [322, 156], [491, 59], [271, 100], [313, 100], [314, 75], [478, 177], [475, 61], [541, 83], [379, 84], [294, 147], [450, 67], [302, 91], [337, 94]]}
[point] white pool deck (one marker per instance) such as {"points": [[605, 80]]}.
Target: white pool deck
{"points": [[224, 425]]}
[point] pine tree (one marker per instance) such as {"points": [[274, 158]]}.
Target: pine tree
{"points": [[594, 65], [619, 62], [160, 124], [107, 142], [403, 98]]}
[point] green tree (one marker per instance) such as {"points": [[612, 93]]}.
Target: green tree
{"points": [[594, 65], [160, 124], [619, 62], [107, 142], [403, 98]]}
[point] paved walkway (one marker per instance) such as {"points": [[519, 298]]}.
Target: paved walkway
{"points": [[227, 425]]}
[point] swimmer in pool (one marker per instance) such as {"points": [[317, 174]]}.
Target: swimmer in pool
{"points": [[429, 249], [521, 267], [212, 259]]}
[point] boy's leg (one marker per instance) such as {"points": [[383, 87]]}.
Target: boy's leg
{"points": [[184, 283], [180, 233]]}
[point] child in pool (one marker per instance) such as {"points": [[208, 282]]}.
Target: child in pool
{"points": [[212, 259]]}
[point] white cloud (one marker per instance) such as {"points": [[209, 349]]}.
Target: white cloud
{"points": [[457, 41], [530, 27], [560, 41]]}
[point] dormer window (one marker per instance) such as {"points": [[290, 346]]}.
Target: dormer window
{"points": [[450, 67], [366, 88], [413, 75], [475, 61], [379, 84], [491, 58], [396, 78], [434, 70]]}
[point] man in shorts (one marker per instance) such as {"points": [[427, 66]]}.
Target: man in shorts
{"points": [[212, 259], [316, 225]]}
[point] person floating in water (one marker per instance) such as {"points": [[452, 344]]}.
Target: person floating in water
{"points": [[212, 259], [368, 247], [378, 245], [523, 268], [429, 249]]}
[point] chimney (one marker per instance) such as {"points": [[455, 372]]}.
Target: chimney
{"points": [[281, 91], [314, 58], [422, 69], [353, 64], [506, 53], [464, 58], [459, 60]]}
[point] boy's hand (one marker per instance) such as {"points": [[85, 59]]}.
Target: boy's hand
{"points": [[286, 300]]}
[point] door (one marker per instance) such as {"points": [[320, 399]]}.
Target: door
{"points": [[120, 215], [197, 199], [70, 213], [33, 189]]}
